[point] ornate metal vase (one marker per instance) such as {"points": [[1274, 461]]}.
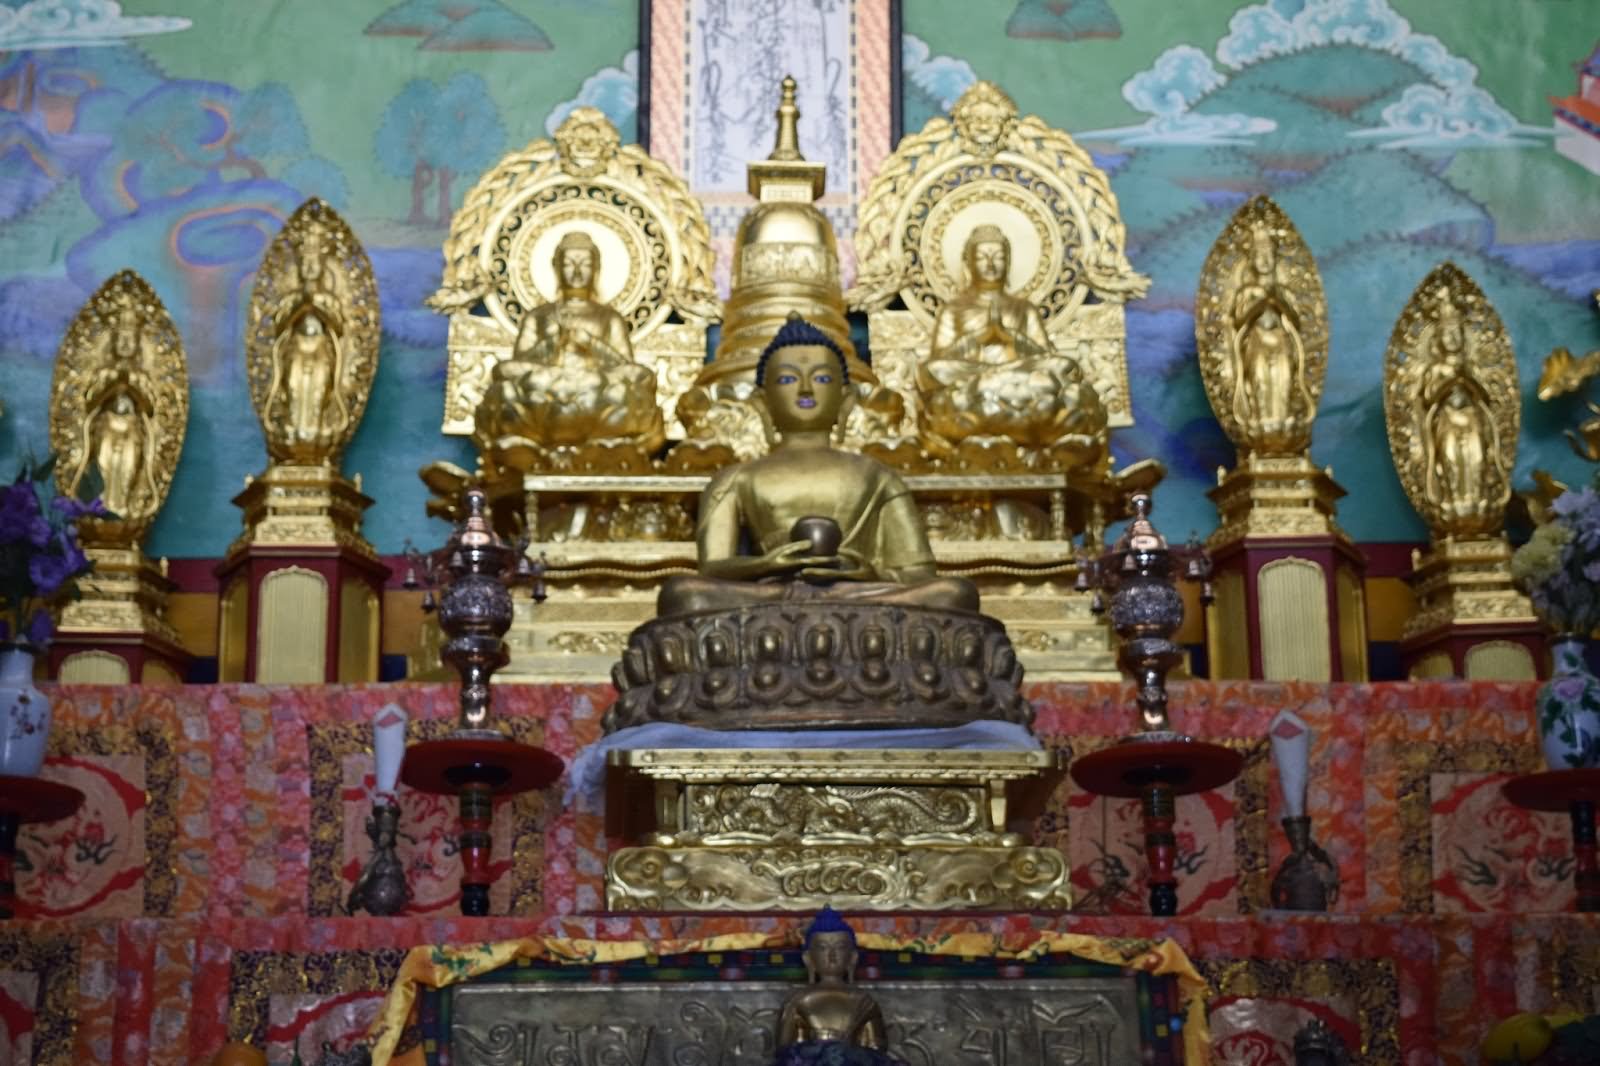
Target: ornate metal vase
{"points": [[1569, 708], [24, 713]]}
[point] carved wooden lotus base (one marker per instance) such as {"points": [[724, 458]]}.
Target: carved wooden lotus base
{"points": [[890, 829], [819, 664], [515, 456]]}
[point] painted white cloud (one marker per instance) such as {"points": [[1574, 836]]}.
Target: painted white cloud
{"points": [[614, 90], [1265, 30], [1180, 77], [943, 78], [77, 24], [1427, 116], [1448, 109], [1189, 129]]}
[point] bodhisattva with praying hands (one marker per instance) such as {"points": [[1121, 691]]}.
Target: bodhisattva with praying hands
{"points": [[993, 375], [571, 379], [807, 520]]}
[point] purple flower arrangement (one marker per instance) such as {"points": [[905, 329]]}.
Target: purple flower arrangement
{"points": [[40, 558], [1559, 567]]}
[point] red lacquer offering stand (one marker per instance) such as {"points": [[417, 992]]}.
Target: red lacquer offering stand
{"points": [[1157, 765], [476, 763], [477, 770], [1156, 772], [1575, 792], [27, 801]]}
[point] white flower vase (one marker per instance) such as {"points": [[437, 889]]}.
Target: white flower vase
{"points": [[25, 730], [1569, 708]]}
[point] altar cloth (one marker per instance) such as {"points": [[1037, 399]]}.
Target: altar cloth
{"points": [[586, 776]]}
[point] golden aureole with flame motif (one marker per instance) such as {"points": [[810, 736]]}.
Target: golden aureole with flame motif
{"points": [[650, 264], [1452, 405], [312, 343], [119, 407], [1261, 326]]}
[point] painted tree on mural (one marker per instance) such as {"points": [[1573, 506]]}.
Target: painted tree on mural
{"points": [[460, 26], [432, 135]]}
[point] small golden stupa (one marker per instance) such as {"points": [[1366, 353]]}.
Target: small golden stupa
{"points": [[785, 260]]}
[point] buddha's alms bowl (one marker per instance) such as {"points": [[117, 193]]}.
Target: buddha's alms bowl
{"points": [[823, 533]]}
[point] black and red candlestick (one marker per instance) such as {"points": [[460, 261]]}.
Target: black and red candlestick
{"points": [[27, 801], [477, 763], [1577, 792]]}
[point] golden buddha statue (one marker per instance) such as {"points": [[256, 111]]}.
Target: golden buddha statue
{"points": [[1271, 398], [118, 430], [1462, 469], [829, 1010], [571, 378], [308, 356], [824, 523], [992, 372]]}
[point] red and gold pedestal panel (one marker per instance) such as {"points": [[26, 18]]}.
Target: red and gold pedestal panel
{"points": [[303, 616], [1288, 609], [118, 633], [1471, 622]]}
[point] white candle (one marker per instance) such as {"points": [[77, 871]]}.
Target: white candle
{"points": [[1291, 753], [389, 751]]}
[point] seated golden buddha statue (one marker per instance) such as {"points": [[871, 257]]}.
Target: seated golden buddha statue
{"points": [[820, 522], [816, 604], [571, 379], [992, 374], [830, 1020]]}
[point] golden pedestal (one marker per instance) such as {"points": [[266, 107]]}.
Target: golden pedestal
{"points": [[611, 540], [301, 588], [118, 632], [1290, 603], [891, 829], [1471, 622]]}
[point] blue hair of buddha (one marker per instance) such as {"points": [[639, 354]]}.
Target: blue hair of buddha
{"points": [[797, 332], [829, 920]]}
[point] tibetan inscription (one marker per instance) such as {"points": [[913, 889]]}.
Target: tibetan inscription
{"points": [[1076, 1021]]}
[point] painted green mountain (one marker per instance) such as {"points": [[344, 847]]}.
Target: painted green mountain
{"points": [[1357, 197], [460, 26], [1064, 20]]}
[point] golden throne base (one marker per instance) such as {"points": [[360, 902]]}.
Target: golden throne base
{"points": [[778, 830], [601, 590]]}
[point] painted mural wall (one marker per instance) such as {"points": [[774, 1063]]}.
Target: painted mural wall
{"points": [[176, 135], [1396, 133]]}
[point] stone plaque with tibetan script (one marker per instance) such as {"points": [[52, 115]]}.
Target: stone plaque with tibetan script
{"points": [[1079, 1021]]}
